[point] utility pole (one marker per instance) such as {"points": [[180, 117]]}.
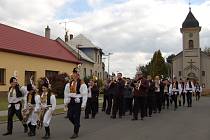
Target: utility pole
{"points": [[108, 61]]}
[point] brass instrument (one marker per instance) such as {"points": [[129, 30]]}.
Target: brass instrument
{"points": [[42, 111], [27, 112]]}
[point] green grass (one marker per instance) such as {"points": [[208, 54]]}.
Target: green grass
{"points": [[3, 103], [59, 101]]}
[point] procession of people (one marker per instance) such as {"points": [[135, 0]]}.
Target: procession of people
{"points": [[140, 97]]}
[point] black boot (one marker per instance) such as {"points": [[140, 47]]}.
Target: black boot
{"points": [[33, 130], [76, 131], [7, 133], [25, 128], [47, 133], [30, 129]]}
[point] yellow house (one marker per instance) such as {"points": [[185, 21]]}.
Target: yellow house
{"points": [[25, 54]]}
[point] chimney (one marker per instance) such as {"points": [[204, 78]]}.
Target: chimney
{"points": [[71, 36], [66, 37], [47, 32]]}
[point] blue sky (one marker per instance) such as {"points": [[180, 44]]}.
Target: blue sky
{"points": [[78, 7]]}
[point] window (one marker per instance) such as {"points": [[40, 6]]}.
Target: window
{"points": [[85, 74], [91, 72], [191, 45], [49, 73], [100, 75], [203, 73], [180, 73], [28, 75], [95, 56], [2, 76], [98, 59]]}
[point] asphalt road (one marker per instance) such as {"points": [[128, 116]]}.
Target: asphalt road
{"points": [[183, 124]]}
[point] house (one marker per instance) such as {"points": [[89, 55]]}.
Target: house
{"points": [[29, 54], [84, 47]]}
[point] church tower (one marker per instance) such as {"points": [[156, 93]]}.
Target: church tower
{"points": [[191, 47]]}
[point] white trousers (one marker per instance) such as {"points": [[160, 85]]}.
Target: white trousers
{"points": [[47, 117], [33, 118]]}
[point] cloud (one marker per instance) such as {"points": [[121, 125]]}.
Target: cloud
{"points": [[131, 29], [94, 3]]}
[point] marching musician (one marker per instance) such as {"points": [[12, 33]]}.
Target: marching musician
{"points": [[140, 91], [76, 91], [48, 105], [118, 97], [92, 101], [174, 90], [15, 96], [158, 94], [32, 107]]}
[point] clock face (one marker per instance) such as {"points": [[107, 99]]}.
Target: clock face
{"points": [[190, 34]]}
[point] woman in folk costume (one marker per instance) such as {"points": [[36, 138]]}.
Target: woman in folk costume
{"points": [[32, 107], [76, 97], [189, 89], [174, 90], [15, 96], [48, 105], [198, 91]]}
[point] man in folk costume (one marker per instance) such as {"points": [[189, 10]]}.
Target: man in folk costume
{"points": [[118, 97], [91, 106], [189, 88], [183, 94], [166, 93], [15, 96], [140, 91], [158, 93], [174, 90], [32, 106], [48, 105], [198, 91], [77, 93]]}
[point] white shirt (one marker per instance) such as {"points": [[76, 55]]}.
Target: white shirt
{"points": [[83, 93], [52, 102], [187, 87], [174, 91], [12, 98]]}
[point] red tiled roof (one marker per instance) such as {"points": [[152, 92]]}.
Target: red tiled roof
{"points": [[18, 41]]}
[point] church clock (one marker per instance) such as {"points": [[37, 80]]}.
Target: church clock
{"points": [[190, 34]]}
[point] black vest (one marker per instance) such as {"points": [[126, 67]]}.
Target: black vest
{"points": [[18, 92], [48, 98]]}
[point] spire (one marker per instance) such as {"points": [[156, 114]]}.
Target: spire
{"points": [[189, 5], [190, 21]]}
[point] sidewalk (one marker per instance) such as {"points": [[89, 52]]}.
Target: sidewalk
{"points": [[4, 113]]}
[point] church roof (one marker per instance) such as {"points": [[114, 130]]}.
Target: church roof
{"points": [[190, 21]]}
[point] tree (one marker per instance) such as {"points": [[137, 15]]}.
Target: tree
{"points": [[207, 51], [157, 66]]}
